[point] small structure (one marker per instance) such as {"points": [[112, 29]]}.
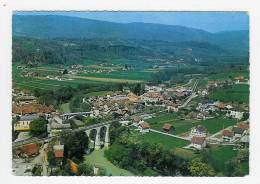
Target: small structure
{"points": [[144, 127], [238, 131], [198, 142], [198, 131], [227, 135], [23, 123], [28, 150], [167, 127], [58, 152]]}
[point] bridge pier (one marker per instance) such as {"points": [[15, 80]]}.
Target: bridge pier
{"points": [[97, 140], [107, 139]]}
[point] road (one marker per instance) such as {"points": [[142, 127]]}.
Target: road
{"points": [[171, 135], [193, 95]]}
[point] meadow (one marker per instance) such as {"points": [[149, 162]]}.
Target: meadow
{"points": [[237, 93], [183, 126]]}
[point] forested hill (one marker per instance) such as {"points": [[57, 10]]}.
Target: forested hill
{"points": [[53, 26]]}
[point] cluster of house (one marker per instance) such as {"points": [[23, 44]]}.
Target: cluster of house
{"points": [[238, 132], [206, 109]]}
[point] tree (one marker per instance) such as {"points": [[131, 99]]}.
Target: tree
{"points": [[198, 168], [243, 154], [75, 145], [65, 72], [38, 127], [85, 170], [51, 158]]}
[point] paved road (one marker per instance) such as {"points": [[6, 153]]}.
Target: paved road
{"points": [[193, 94], [171, 135]]}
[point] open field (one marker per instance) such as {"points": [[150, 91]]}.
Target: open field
{"points": [[65, 107], [228, 75], [97, 157], [182, 126], [97, 93], [166, 141], [100, 79], [237, 93]]}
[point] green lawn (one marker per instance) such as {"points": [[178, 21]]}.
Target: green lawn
{"points": [[237, 93], [220, 155], [227, 75], [167, 141], [97, 157], [65, 107], [182, 126]]}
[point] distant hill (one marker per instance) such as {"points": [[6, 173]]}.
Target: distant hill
{"points": [[53, 26]]}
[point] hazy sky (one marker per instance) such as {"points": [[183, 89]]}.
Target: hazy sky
{"points": [[209, 21]]}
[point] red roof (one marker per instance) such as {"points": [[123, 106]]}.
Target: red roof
{"points": [[198, 140], [243, 126], [167, 126], [228, 133], [59, 153], [144, 125], [30, 149]]}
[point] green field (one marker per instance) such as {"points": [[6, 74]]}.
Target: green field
{"points": [[65, 107], [129, 75], [167, 141], [97, 157], [237, 93], [97, 93], [227, 75], [182, 126]]}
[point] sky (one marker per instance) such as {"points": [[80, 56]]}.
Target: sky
{"points": [[209, 21]]}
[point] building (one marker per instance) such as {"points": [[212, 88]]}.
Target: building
{"points": [[144, 127], [198, 131], [238, 132], [152, 97], [58, 152], [198, 142], [23, 124], [28, 150], [227, 135], [235, 114], [167, 127]]}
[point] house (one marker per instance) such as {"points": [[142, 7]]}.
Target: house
{"points": [[227, 135], [235, 114], [198, 142], [28, 150], [144, 127], [152, 97], [198, 131], [58, 152], [244, 141], [167, 127], [221, 105], [23, 123], [136, 120], [239, 79], [238, 132]]}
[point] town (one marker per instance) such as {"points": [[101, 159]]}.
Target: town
{"points": [[205, 122], [103, 98]]}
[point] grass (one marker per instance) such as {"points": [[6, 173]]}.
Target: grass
{"points": [[97, 157], [65, 107], [227, 75], [166, 141], [103, 79], [220, 155], [182, 126], [245, 167], [237, 93], [98, 93]]}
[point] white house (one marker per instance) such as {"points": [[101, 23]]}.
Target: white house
{"points": [[198, 131], [235, 114], [144, 127], [198, 142]]}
